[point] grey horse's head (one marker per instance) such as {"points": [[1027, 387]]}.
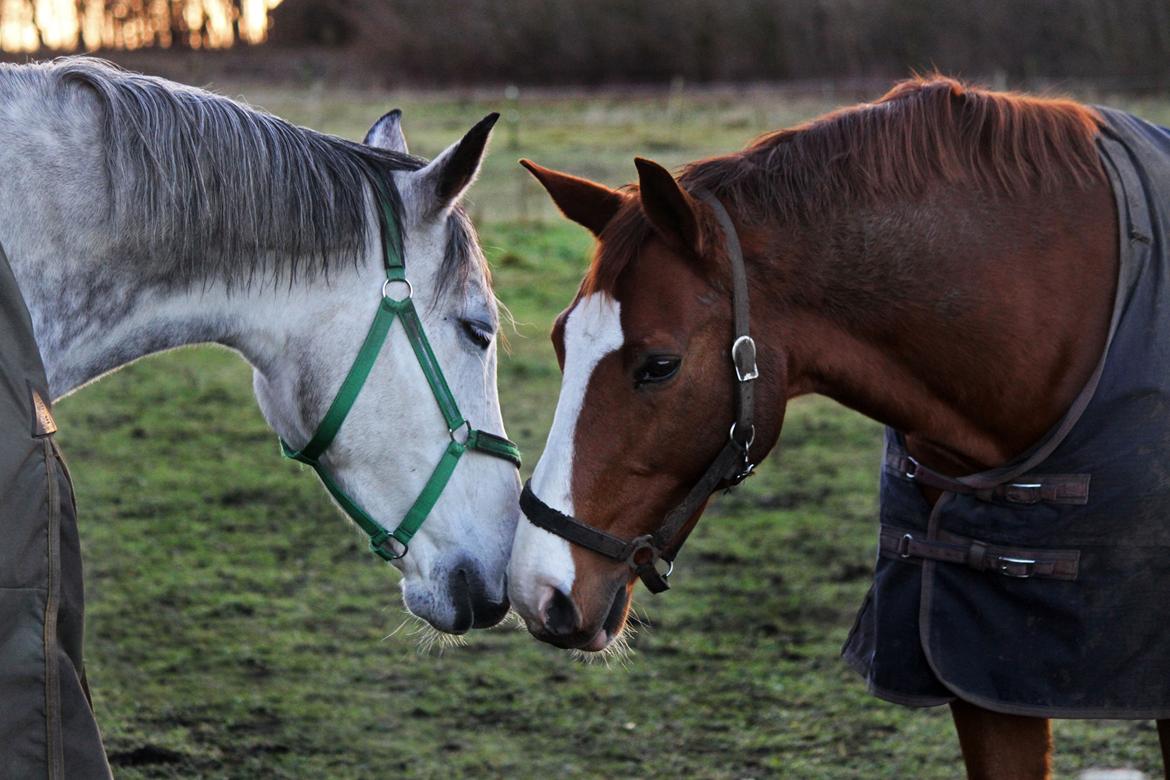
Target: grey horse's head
{"points": [[395, 435]]}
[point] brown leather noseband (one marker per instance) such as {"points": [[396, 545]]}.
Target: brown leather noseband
{"points": [[731, 466]]}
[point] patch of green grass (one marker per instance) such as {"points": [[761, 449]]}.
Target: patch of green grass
{"points": [[237, 627]]}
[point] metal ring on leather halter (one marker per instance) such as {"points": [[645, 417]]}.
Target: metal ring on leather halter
{"points": [[750, 441], [386, 290]]}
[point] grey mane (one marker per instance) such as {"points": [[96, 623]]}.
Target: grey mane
{"points": [[199, 181]]}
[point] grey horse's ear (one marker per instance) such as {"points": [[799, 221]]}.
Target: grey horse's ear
{"points": [[386, 133], [448, 176]]}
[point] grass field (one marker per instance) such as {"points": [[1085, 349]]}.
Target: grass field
{"points": [[238, 629]]}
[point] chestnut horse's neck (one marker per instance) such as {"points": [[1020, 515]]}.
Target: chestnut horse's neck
{"points": [[968, 321]]}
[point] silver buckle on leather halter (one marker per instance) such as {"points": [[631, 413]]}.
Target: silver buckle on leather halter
{"points": [[753, 371]]}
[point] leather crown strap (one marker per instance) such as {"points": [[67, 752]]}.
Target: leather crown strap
{"points": [[463, 436], [731, 466]]}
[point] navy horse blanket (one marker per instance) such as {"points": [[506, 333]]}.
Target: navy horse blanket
{"points": [[47, 728], [1043, 589]]}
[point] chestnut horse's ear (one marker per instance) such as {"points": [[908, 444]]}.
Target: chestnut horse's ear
{"points": [[670, 210], [587, 203]]}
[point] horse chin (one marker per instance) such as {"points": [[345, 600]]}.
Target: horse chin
{"points": [[599, 642], [611, 628]]}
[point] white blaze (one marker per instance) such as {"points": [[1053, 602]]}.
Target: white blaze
{"points": [[539, 558]]}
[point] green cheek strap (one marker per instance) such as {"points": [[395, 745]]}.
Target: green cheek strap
{"points": [[402, 309]]}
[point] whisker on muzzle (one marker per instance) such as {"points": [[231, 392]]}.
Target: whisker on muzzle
{"points": [[404, 622], [637, 617], [618, 652], [512, 620], [429, 640]]}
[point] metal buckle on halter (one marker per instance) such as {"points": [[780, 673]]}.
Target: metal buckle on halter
{"points": [[753, 371], [911, 470]]}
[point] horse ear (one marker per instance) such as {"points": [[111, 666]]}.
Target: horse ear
{"points": [[670, 210], [386, 133], [587, 203], [449, 175]]}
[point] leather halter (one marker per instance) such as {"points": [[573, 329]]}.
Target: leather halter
{"points": [[731, 466]]}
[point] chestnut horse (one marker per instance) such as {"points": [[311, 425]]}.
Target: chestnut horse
{"points": [[943, 261]]}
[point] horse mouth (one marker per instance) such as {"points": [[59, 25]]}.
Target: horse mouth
{"points": [[614, 621]]}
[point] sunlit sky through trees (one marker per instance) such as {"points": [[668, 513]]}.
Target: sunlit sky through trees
{"points": [[70, 25]]}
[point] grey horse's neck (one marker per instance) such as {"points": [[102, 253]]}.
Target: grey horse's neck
{"points": [[140, 215], [94, 320]]}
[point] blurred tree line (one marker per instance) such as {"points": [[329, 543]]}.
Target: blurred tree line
{"points": [[574, 41], [69, 25]]}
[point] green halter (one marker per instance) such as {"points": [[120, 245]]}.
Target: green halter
{"points": [[403, 309]]}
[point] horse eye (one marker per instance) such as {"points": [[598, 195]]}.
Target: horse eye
{"points": [[480, 333], [657, 368]]}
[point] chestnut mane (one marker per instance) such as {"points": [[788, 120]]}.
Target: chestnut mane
{"points": [[922, 133]]}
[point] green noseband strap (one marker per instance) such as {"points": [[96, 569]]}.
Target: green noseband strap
{"points": [[463, 436]]}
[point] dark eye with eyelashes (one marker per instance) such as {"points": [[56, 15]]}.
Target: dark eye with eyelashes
{"points": [[479, 332], [656, 369]]}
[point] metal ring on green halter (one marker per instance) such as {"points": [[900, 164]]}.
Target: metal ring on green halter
{"points": [[464, 426], [386, 290]]}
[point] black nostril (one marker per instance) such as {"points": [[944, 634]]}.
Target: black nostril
{"points": [[460, 591], [561, 617], [473, 607]]}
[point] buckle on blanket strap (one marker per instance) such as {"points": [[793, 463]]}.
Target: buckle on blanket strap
{"points": [[1015, 562], [1021, 568], [1031, 489]]}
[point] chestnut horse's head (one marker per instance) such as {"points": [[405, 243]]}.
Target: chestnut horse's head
{"points": [[648, 395]]}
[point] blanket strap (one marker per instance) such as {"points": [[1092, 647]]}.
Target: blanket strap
{"points": [[1026, 489], [1018, 562]]}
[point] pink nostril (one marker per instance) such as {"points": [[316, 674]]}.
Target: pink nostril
{"points": [[559, 613], [546, 594]]}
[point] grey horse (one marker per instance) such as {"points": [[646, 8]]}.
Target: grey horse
{"points": [[138, 215]]}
